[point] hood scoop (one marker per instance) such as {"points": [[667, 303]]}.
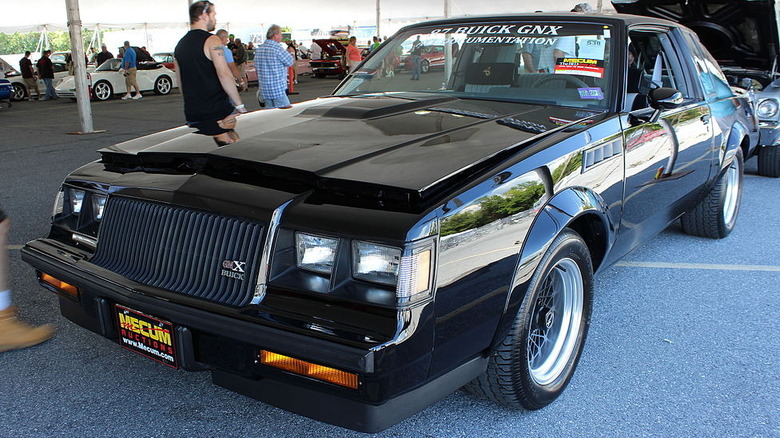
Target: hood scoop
{"points": [[372, 107]]}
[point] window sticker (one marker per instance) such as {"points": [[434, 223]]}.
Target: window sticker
{"points": [[594, 93], [591, 48], [580, 66]]}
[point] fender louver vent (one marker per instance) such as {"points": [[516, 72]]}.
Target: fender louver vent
{"points": [[596, 155], [181, 250]]}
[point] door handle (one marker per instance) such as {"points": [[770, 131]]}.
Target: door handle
{"points": [[706, 119]]}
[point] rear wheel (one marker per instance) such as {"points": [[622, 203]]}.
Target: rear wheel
{"points": [[163, 85], [20, 92], [716, 215], [536, 360], [102, 90], [769, 161]]}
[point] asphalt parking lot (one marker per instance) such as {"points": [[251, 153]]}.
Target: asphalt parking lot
{"points": [[684, 341]]}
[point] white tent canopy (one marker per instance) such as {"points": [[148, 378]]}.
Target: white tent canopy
{"points": [[24, 16]]}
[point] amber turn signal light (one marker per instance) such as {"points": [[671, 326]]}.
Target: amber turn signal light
{"points": [[60, 285], [309, 369]]}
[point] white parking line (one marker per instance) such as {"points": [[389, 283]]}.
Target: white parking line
{"points": [[13, 247], [718, 267]]}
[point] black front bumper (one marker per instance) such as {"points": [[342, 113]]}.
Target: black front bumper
{"points": [[228, 347]]}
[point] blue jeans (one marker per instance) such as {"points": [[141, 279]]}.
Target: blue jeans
{"points": [[50, 93], [278, 102], [416, 61]]}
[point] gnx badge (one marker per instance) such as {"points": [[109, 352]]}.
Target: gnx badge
{"points": [[233, 269]]}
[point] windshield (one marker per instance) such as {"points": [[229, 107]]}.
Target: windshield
{"points": [[112, 64], [556, 63]]}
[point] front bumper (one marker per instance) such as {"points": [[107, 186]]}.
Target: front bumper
{"points": [[770, 133], [228, 346]]}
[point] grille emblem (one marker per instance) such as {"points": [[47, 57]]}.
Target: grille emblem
{"points": [[233, 269]]}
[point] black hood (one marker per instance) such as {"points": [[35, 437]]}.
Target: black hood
{"points": [[408, 148], [738, 33]]}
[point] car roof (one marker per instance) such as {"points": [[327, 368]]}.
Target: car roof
{"points": [[614, 19]]}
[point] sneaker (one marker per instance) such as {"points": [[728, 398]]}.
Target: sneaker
{"points": [[30, 99], [127, 97], [137, 96]]}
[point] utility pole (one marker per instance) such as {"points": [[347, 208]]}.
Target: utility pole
{"points": [[79, 68]]}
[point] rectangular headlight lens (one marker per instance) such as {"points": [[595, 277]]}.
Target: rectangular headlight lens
{"points": [[98, 205], [76, 198], [315, 253], [375, 263]]}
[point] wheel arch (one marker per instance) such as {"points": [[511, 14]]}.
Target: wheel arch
{"points": [[577, 208], [739, 138]]}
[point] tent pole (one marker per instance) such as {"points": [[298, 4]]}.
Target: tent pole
{"points": [[80, 69], [378, 18]]}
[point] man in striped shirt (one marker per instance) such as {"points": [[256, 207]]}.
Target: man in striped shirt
{"points": [[271, 62]]}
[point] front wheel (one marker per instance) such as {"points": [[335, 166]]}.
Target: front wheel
{"points": [[537, 358], [716, 215], [769, 161], [19, 93], [163, 85]]}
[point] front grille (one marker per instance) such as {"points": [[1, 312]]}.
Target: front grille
{"points": [[182, 250]]}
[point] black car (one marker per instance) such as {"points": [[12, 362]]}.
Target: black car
{"points": [[360, 256], [743, 37]]}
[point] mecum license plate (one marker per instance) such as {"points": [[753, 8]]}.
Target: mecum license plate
{"points": [[146, 335]]}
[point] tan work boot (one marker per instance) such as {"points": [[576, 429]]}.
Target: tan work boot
{"points": [[15, 334]]}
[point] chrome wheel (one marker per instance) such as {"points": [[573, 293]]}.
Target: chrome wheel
{"points": [[163, 85], [731, 195], [19, 92], [554, 326], [102, 91]]}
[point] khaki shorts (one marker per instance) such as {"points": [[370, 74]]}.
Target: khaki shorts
{"points": [[32, 84], [130, 80]]}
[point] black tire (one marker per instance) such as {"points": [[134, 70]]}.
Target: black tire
{"points": [[163, 85], [716, 214], [517, 375], [425, 65], [102, 91], [769, 161], [20, 92]]}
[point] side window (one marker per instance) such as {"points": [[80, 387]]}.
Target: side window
{"points": [[656, 63], [702, 70]]}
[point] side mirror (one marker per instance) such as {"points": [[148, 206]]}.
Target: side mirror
{"points": [[663, 98]]}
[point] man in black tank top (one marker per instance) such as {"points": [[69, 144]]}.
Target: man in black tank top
{"points": [[211, 100]]}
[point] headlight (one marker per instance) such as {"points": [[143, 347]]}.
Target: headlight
{"points": [[76, 198], [375, 263], [98, 205], [78, 212], [315, 253], [767, 109]]}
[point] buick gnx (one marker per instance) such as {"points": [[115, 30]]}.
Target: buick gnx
{"points": [[430, 234]]}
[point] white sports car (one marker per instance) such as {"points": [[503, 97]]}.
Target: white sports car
{"points": [[20, 87], [108, 79]]}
